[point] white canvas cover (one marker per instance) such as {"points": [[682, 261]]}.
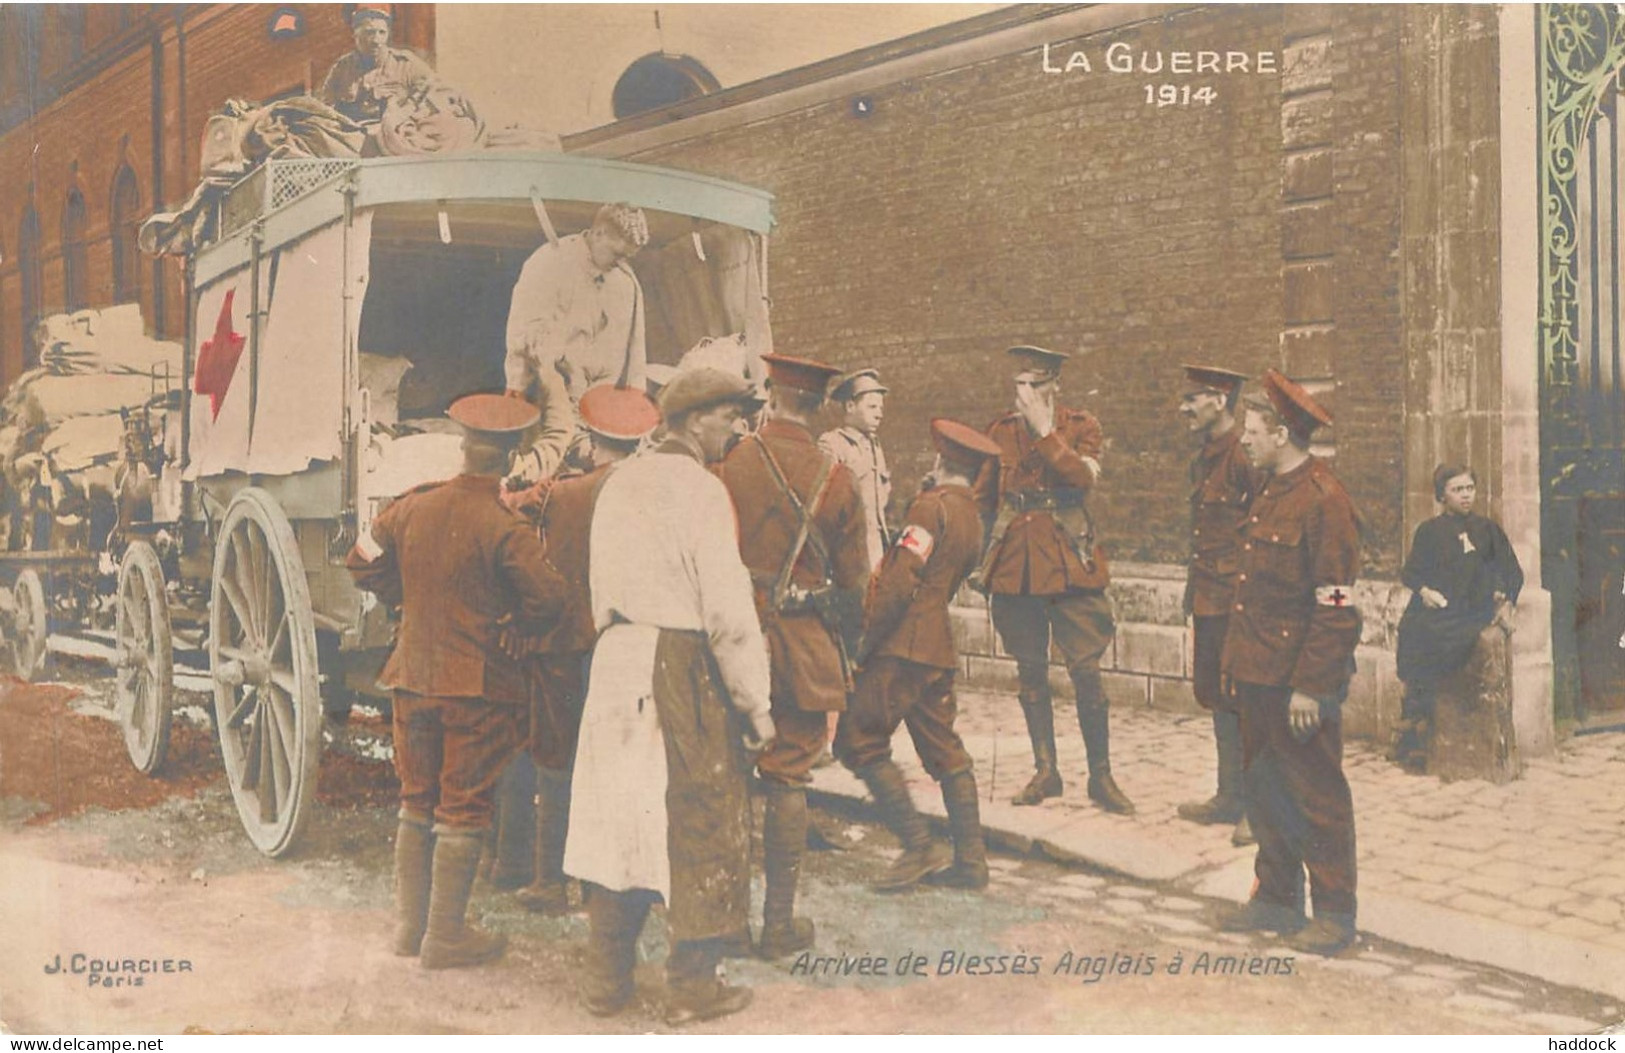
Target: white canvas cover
{"points": [[301, 359]]}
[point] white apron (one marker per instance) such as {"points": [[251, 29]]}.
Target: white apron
{"points": [[618, 834]]}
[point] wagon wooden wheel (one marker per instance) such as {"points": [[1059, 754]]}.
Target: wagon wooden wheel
{"points": [[29, 626], [262, 656], [144, 661]]}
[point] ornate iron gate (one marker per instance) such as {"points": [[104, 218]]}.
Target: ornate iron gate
{"points": [[1582, 455]]}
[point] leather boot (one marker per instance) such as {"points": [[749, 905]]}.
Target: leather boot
{"points": [[549, 893], [1094, 720], [694, 992], [1225, 806], [1262, 915], [784, 837], [515, 824], [1038, 710], [450, 942], [965, 824], [414, 870], [614, 921], [922, 854], [1327, 935]]}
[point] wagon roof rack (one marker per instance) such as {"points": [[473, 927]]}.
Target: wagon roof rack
{"points": [[284, 199]]}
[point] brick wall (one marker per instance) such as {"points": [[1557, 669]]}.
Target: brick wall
{"points": [[994, 204], [84, 128]]}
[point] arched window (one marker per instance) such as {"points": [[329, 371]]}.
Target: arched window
{"points": [[75, 280], [126, 213], [657, 80], [28, 266]]}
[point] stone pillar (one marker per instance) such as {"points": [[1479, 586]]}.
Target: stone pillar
{"points": [[1519, 488], [1308, 221], [1471, 354]]}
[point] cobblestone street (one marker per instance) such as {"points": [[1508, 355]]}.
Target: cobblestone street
{"points": [[1526, 876]]}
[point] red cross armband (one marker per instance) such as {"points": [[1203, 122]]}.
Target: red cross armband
{"points": [[918, 540], [1334, 596]]}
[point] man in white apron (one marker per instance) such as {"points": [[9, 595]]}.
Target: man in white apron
{"points": [[677, 706]]}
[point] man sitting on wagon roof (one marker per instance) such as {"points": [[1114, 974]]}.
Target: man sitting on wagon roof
{"points": [[361, 83]]}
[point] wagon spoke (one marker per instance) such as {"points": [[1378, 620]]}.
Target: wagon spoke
{"points": [[247, 589], [238, 604], [252, 755], [286, 718], [245, 705], [277, 751], [278, 638], [284, 680], [267, 765], [266, 582]]}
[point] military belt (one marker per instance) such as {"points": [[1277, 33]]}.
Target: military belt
{"points": [[1043, 500]]}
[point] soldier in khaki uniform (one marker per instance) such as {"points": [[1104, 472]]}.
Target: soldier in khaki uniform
{"points": [[1222, 485], [1046, 571], [862, 399], [617, 420], [801, 535], [1289, 652], [908, 673], [460, 566]]}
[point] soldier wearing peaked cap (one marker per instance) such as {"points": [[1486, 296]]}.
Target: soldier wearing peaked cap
{"points": [[1289, 652], [617, 421], [1223, 483], [861, 398], [908, 673], [1044, 567], [801, 534], [459, 566]]}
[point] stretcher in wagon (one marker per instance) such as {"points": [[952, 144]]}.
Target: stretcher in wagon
{"points": [[336, 309]]}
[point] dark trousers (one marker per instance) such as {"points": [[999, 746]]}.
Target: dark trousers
{"points": [[893, 691], [558, 691], [1299, 803], [449, 753], [1206, 674]]}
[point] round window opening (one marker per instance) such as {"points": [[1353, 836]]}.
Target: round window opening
{"points": [[658, 80]]}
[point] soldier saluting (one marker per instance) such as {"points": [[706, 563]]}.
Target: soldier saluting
{"points": [[461, 567], [1222, 485], [801, 533], [908, 675], [1045, 570], [1289, 651]]}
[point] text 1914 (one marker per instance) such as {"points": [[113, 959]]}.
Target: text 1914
{"points": [[1160, 95]]}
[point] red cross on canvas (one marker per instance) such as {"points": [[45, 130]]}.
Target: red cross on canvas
{"points": [[217, 359]]}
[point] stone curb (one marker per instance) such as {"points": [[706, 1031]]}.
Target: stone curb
{"points": [[1066, 837]]}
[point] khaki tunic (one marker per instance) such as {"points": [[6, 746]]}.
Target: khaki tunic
{"points": [[805, 660], [864, 458], [459, 565], [1293, 623], [1222, 485], [1037, 556], [907, 611]]}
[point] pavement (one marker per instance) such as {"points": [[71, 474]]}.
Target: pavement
{"points": [[1527, 877]]}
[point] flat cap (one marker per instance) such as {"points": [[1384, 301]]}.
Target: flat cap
{"points": [[856, 384], [961, 441], [497, 417], [803, 374], [698, 389], [1212, 378], [1301, 414], [363, 12], [1038, 359], [621, 414]]}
